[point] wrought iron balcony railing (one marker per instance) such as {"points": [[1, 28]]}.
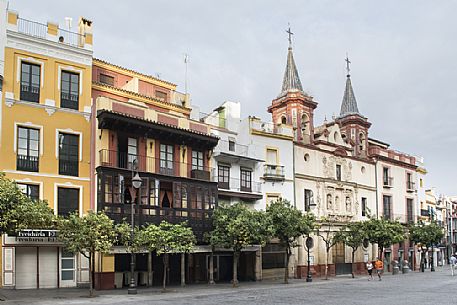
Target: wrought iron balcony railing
{"points": [[27, 163], [273, 172]]}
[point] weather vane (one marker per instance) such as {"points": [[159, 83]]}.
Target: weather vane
{"points": [[290, 35], [348, 62]]}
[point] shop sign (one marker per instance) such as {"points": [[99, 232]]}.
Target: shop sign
{"points": [[32, 237]]}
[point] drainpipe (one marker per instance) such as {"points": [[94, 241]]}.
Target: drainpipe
{"points": [[293, 172], [376, 185]]}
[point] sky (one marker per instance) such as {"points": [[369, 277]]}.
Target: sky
{"points": [[403, 54]]}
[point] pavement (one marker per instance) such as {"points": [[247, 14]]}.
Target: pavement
{"points": [[406, 289]]}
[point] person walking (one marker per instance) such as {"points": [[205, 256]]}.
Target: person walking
{"points": [[453, 261], [379, 266], [370, 270]]}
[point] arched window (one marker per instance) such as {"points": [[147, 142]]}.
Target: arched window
{"points": [[329, 202], [283, 120], [361, 141]]}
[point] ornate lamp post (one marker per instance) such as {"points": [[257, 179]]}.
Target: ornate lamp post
{"points": [[309, 246], [136, 182]]}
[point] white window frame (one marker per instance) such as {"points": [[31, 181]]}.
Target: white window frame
{"points": [[70, 131], [70, 186], [27, 125]]}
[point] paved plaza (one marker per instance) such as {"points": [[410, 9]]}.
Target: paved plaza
{"points": [[413, 288]]}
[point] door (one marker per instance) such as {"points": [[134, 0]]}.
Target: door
{"points": [[67, 269], [339, 258], [26, 268], [48, 257]]}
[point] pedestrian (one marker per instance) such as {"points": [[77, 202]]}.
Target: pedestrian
{"points": [[370, 270], [379, 266], [453, 261]]}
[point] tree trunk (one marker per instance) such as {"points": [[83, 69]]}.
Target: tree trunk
{"points": [[165, 270], [326, 264], [235, 268], [422, 266], [211, 268], [286, 270], [183, 269], [91, 274], [352, 264]]}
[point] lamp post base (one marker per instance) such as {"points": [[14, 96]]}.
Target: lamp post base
{"points": [[309, 279], [132, 291]]}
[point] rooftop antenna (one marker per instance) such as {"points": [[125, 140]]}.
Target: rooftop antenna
{"points": [[158, 75], [186, 61], [68, 21]]}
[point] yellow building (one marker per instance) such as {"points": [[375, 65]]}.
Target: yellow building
{"points": [[45, 118]]}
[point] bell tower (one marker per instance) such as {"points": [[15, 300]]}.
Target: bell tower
{"points": [[293, 106], [354, 126]]}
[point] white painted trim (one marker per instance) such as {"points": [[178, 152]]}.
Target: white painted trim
{"points": [[70, 131], [28, 124], [32, 60], [47, 175], [70, 69], [30, 181], [70, 186], [11, 101]]}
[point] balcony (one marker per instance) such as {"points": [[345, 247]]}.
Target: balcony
{"points": [[69, 167], [30, 93], [388, 182], [234, 188], [273, 172], [410, 186], [198, 220], [123, 160], [27, 163], [68, 100]]}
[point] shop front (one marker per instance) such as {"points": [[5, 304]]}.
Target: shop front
{"points": [[36, 259]]}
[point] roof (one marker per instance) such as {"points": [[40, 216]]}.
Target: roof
{"points": [[349, 103], [291, 81]]}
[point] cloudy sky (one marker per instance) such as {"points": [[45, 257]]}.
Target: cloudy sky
{"points": [[403, 53]]}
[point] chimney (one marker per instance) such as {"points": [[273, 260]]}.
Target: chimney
{"points": [[85, 30]]}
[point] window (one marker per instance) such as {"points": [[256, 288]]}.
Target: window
{"points": [[132, 152], [364, 206], [421, 183], [69, 95], [197, 160], [166, 159], [385, 176], [231, 145], [28, 143], [68, 266], [161, 95], [30, 190], [67, 201], [68, 154], [246, 176], [272, 156], [30, 82], [409, 210], [308, 200], [283, 120], [223, 176], [387, 206], [106, 79], [409, 182], [338, 172], [272, 198]]}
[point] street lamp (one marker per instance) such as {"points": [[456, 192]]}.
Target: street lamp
{"points": [[136, 182], [309, 246]]}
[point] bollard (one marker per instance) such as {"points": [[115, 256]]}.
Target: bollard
{"points": [[405, 268], [395, 268]]}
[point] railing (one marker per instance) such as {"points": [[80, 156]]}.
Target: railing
{"points": [[410, 186], [235, 185], [275, 172], [198, 220], [32, 28], [68, 100], [116, 159], [30, 93], [70, 38], [27, 163], [272, 128], [232, 147], [69, 167], [388, 181], [213, 119]]}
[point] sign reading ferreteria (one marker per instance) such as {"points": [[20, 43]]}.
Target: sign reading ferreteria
{"points": [[32, 237]]}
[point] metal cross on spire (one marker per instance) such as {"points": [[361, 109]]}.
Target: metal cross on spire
{"points": [[348, 62], [290, 36]]}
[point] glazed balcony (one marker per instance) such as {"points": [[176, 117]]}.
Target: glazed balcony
{"points": [[122, 160]]}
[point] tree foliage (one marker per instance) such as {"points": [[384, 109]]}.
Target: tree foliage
{"points": [[91, 233], [288, 225], [384, 232], [426, 234], [236, 227], [18, 212]]}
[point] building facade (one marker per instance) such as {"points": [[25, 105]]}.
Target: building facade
{"points": [[44, 141]]}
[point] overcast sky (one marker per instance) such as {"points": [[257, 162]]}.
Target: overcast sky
{"points": [[403, 57]]}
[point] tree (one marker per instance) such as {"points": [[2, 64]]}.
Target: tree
{"points": [[352, 235], [288, 225], [384, 232], [167, 238], [87, 235], [18, 212], [236, 227], [324, 230], [427, 236]]}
